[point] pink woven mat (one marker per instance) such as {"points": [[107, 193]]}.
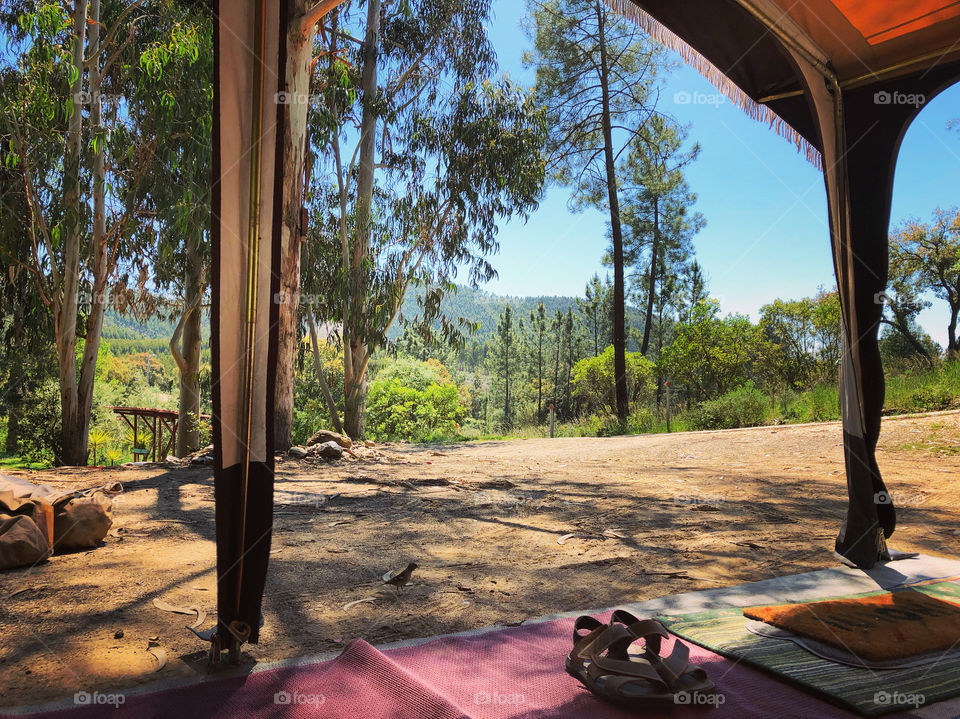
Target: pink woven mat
{"points": [[514, 673]]}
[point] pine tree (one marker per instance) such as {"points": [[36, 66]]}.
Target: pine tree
{"points": [[657, 210], [538, 331], [595, 74]]}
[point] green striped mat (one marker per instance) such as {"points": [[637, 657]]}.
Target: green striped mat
{"points": [[868, 691]]}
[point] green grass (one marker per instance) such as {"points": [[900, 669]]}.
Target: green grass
{"points": [[924, 389], [9, 462]]}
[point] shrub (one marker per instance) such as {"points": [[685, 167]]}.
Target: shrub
{"points": [[931, 399], [414, 401], [744, 407], [593, 380]]}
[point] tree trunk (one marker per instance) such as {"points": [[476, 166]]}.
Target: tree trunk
{"points": [[652, 280], [952, 349], [318, 368], [354, 411], [355, 374], [506, 383], [98, 239], [299, 56], [73, 435], [616, 232], [540, 376], [11, 445], [187, 355]]}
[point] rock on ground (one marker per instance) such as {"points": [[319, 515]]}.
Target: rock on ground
{"points": [[325, 436]]}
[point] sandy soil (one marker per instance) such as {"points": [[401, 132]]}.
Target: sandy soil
{"points": [[484, 521]]}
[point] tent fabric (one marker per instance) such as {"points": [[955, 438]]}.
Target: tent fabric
{"points": [[249, 47], [845, 78]]}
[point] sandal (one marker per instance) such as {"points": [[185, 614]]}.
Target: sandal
{"points": [[600, 661], [675, 670]]}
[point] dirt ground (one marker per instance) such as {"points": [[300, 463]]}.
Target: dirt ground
{"points": [[488, 524]]}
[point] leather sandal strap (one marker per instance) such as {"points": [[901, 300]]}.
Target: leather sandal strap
{"points": [[673, 667], [650, 630], [613, 684], [584, 625]]}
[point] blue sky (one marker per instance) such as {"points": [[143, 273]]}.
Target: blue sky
{"points": [[764, 204]]}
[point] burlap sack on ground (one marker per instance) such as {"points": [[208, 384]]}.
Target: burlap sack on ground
{"points": [[80, 522], [70, 520], [21, 542]]}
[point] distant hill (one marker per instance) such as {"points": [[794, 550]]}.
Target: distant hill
{"points": [[485, 308], [122, 327], [475, 305]]}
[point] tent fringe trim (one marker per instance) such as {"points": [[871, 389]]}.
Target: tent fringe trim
{"points": [[753, 109]]}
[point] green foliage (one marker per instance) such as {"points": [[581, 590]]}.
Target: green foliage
{"points": [[925, 257], [414, 401], [39, 425], [743, 407], [925, 388], [593, 379], [818, 404], [710, 355], [96, 440]]}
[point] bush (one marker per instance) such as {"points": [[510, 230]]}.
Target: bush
{"points": [[593, 380], [414, 401], [931, 399], [744, 407]]}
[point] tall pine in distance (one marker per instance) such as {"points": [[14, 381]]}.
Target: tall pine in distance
{"points": [[596, 76], [657, 211]]}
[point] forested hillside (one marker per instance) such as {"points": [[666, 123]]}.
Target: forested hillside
{"points": [[485, 309]]}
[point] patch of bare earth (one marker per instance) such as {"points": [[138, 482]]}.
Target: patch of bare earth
{"points": [[488, 523]]}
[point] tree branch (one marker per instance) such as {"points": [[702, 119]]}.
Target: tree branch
{"points": [[315, 14]]}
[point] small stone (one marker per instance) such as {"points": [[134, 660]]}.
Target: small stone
{"points": [[329, 450], [298, 452], [118, 634], [367, 443]]}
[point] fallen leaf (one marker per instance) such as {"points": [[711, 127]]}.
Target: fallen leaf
{"points": [[359, 601], [161, 657], [614, 533], [166, 607]]}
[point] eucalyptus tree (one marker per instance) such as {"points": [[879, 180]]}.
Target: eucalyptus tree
{"points": [[426, 156], [69, 125], [26, 350], [174, 104], [596, 76], [657, 210], [305, 18]]}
